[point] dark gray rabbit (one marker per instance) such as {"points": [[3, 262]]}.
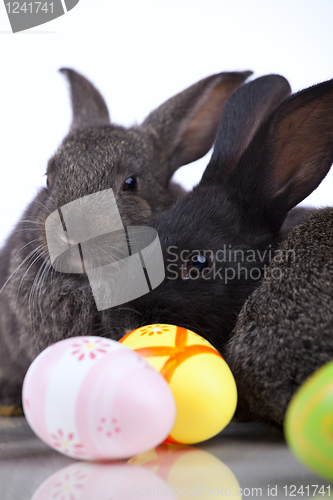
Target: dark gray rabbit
{"points": [[38, 305], [271, 152]]}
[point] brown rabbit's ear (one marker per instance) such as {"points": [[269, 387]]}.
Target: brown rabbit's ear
{"points": [[246, 110], [186, 124], [289, 156], [88, 106]]}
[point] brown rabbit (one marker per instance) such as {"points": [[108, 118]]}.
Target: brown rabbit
{"points": [[284, 332]]}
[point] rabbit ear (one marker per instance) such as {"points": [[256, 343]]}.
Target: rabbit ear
{"points": [[246, 110], [88, 106], [288, 157], [186, 124]]}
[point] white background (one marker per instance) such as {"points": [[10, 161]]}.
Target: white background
{"points": [[139, 53]]}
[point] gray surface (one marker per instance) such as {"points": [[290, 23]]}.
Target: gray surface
{"points": [[256, 455]]}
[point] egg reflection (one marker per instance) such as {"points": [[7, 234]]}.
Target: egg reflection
{"points": [[97, 481], [166, 471], [189, 471]]}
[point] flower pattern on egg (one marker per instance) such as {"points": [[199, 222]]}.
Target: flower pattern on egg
{"points": [[151, 329], [70, 486], [66, 443], [89, 348], [108, 428]]}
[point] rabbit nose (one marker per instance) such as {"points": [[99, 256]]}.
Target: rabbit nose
{"points": [[66, 239], [73, 251]]}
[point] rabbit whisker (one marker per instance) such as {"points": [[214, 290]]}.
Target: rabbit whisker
{"points": [[37, 287], [18, 267], [44, 206], [42, 280], [29, 243], [128, 309], [39, 256], [32, 255]]}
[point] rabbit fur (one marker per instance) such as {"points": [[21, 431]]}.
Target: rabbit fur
{"points": [[39, 306], [284, 331], [271, 152]]}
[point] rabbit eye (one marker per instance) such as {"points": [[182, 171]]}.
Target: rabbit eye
{"points": [[198, 265], [129, 184]]}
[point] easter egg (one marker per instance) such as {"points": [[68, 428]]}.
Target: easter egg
{"points": [[93, 398], [201, 381], [191, 471], [308, 424]]}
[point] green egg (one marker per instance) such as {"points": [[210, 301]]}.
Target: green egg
{"points": [[308, 425]]}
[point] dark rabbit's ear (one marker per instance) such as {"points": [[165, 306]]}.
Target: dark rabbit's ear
{"points": [[186, 124], [88, 106], [288, 157], [246, 110]]}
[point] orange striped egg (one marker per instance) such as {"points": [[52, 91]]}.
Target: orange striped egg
{"points": [[201, 381]]}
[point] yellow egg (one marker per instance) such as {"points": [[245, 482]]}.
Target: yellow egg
{"points": [[201, 381]]}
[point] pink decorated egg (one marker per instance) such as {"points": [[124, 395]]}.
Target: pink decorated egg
{"points": [[95, 399]]}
